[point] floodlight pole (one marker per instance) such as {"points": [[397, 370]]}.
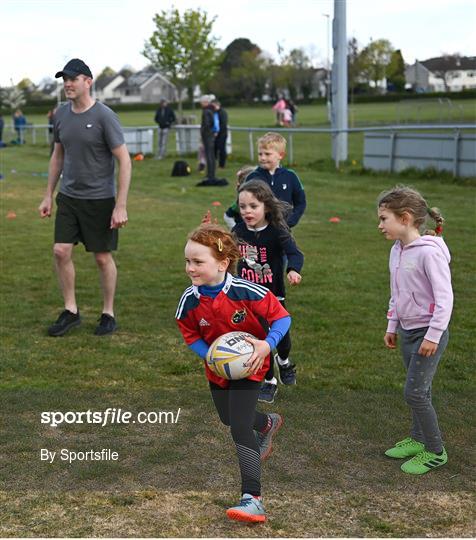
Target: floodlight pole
{"points": [[339, 83]]}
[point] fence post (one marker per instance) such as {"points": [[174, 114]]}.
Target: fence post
{"points": [[291, 148], [252, 150], [456, 153], [393, 136], [33, 135]]}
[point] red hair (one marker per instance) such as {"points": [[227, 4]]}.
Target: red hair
{"points": [[219, 240]]}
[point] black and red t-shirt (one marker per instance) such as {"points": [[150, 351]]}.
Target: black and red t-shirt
{"points": [[262, 256]]}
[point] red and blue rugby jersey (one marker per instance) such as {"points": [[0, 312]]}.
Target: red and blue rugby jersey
{"points": [[238, 307]]}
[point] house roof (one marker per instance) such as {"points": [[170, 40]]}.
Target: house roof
{"points": [[454, 63], [103, 81], [137, 80]]}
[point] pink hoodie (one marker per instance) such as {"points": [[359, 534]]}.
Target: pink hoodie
{"points": [[420, 285]]}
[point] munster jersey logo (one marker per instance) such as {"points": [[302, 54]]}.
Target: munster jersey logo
{"points": [[239, 316]]}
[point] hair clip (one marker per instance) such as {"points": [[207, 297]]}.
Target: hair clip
{"points": [[220, 245], [439, 229]]}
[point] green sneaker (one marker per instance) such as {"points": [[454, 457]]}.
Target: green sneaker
{"points": [[424, 462], [406, 448]]}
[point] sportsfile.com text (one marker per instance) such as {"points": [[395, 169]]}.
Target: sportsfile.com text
{"points": [[109, 416]]}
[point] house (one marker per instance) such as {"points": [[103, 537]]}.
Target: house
{"points": [[145, 86], [105, 85], [451, 73]]}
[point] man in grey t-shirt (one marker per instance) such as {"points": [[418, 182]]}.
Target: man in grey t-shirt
{"points": [[87, 140]]}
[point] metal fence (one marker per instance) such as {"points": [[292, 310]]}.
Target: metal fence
{"points": [[394, 152], [392, 156]]}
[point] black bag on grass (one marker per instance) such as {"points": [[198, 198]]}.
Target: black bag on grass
{"points": [[181, 168]]}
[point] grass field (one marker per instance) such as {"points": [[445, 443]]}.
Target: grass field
{"points": [[327, 475]]}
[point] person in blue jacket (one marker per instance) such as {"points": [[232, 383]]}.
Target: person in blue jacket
{"points": [[19, 123], [284, 183]]}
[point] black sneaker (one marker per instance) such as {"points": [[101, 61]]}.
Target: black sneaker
{"points": [[64, 323], [287, 374], [107, 325], [267, 392]]}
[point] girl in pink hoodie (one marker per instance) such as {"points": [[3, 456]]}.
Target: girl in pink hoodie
{"points": [[419, 313]]}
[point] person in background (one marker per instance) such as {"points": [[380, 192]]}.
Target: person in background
{"points": [[278, 108], [220, 139], [284, 183], [51, 121], [19, 123], [293, 110], [2, 124], [232, 215], [164, 117], [208, 135]]}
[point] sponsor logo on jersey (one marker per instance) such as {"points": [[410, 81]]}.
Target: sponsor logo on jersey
{"points": [[239, 316], [203, 322]]}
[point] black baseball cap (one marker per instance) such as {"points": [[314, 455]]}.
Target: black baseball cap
{"points": [[74, 68]]}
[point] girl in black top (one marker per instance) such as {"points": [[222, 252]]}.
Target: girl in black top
{"points": [[266, 246]]}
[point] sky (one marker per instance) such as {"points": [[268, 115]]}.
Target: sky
{"points": [[38, 37]]}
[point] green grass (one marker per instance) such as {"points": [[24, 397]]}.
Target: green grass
{"points": [[327, 476]]}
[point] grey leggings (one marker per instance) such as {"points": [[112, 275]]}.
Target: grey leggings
{"points": [[417, 392]]}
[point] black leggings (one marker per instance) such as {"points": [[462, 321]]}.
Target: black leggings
{"points": [[236, 406]]}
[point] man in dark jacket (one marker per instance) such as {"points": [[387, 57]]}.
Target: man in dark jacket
{"points": [[164, 117], [208, 135], [220, 140]]}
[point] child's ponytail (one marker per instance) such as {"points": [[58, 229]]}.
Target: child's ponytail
{"points": [[435, 214]]}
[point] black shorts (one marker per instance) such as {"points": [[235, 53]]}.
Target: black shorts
{"points": [[87, 221]]}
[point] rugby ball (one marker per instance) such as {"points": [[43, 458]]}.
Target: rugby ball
{"points": [[228, 355]]}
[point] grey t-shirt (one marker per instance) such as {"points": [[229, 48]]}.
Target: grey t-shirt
{"points": [[87, 139]]}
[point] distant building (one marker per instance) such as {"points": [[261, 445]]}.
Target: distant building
{"points": [[105, 85], [145, 86], [429, 75]]}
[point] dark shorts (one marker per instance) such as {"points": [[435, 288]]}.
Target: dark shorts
{"points": [[87, 221]]}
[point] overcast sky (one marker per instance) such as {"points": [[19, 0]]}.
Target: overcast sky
{"points": [[37, 37]]}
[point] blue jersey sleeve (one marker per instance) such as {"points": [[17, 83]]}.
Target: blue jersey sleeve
{"points": [[278, 330], [199, 347]]}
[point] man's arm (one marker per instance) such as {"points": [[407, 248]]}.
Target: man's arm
{"points": [[54, 172], [119, 215]]}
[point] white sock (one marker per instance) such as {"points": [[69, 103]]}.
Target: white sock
{"points": [[271, 381], [282, 362]]}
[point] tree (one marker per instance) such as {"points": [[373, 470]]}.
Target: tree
{"points": [[232, 59], [354, 67], [232, 55], [374, 59], [249, 79], [396, 71], [447, 68], [183, 50], [106, 72], [12, 98], [299, 72]]}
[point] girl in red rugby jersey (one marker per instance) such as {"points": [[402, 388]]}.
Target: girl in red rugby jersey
{"points": [[217, 303]]}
